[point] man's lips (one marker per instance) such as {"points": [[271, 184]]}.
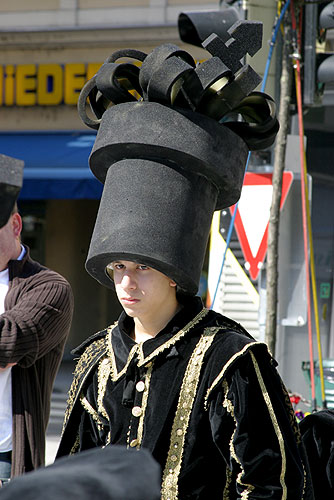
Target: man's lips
{"points": [[129, 300]]}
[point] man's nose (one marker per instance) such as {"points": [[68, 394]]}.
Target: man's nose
{"points": [[128, 280]]}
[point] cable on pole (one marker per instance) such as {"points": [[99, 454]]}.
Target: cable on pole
{"points": [[309, 224], [297, 72], [275, 30]]}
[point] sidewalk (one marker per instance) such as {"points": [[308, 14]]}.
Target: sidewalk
{"points": [[58, 406]]}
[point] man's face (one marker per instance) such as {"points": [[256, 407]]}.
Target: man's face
{"points": [[142, 291], [9, 240]]}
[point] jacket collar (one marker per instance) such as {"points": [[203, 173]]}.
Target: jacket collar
{"points": [[122, 348], [15, 267]]}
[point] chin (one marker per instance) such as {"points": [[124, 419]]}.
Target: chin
{"points": [[129, 311]]}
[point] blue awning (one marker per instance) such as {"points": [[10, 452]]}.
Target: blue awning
{"points": [[56, 164]]}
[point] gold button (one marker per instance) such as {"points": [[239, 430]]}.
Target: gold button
{"points": [[173, 458], [137, 411], [179, 432], [134, 443], [140, 386]]}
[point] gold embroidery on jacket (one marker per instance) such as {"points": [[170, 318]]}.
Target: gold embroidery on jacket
{"points": [[169, 489], [295, 427], [115, 375], [230, 408], [173, 340], [128, 434], [81, 372], [304, 484], [248, 488], [89, 409], [291, 414], [225, 367], [104, 369], [75, 446], [108, 440], [277, 429], [144, 405], [226, 493], [138, 348]]}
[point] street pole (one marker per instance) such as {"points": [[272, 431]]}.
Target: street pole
{"points": [[278, 169]]}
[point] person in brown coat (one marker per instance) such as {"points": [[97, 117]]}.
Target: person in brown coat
{"points": [[36, 307]]}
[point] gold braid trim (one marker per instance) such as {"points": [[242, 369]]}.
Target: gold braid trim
{"points": [[230, 408], [225, 367], [173, 340], [169, 489], [226, 492], [295, 427], [108, 440], [89, 409], [103, 373], [75, 447], [291, 414], [277, 429], [138, 348], [144, 405], [90, 354], [113, 371]]}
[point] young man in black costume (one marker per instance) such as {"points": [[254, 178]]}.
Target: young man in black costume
{"points": [[192, 387], [186, 383]]}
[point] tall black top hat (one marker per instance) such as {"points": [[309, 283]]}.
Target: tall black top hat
{"points": [[172, 149], [11, 176]]}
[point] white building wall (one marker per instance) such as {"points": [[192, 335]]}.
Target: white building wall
{"points": [[35, 14]]}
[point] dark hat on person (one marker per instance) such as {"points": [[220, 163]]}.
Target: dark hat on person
{"points": [[110, 473], [170, 150], [11, 177]]}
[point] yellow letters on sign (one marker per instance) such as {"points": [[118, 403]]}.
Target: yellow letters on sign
{"points": [[92, 69], [75, 78], [49, 84], [26, 85], [44, 84], [9, 85]]}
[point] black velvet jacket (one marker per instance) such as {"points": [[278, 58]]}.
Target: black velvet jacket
{"points": [[202, 396]]}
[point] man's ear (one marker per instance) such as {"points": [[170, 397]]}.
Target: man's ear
{"points": [[17, 224], [172, 283]]}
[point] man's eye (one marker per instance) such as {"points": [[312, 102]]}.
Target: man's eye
{"points": [[142, 267], [117, 266]]}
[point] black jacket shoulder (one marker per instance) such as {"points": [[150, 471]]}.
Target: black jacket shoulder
{"points": [[79, 350]]}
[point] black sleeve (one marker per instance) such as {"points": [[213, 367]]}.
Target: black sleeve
{"points": [[94, 426], [84, 426], [254, 427]]}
